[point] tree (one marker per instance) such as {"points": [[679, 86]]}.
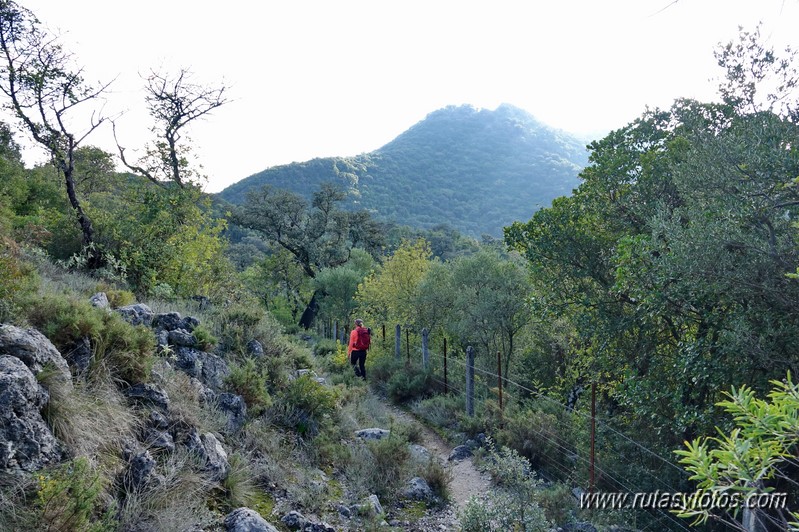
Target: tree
{"points": [[391, 293], [174, 103], [44, 91], [319, 235]]}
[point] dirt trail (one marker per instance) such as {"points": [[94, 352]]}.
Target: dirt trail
{"points": [[466, 479]]}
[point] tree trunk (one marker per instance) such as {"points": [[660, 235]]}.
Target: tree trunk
{"points": [[86, 226], [309, 314]]}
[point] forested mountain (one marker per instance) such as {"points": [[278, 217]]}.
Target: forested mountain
{"points": [[475, 169]]}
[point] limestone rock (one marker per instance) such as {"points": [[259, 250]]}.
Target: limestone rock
{"points": [[246, 520], [26, 442], [100, 300], [137, 314], [34, 350], [372, 434]]}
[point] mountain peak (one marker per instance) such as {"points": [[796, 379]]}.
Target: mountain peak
{"points": [[474, 169]]}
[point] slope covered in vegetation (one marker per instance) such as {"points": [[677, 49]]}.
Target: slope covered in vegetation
{"points": [[476, 170]]}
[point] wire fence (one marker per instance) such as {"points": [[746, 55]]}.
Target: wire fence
{"points": [[554, 435]]}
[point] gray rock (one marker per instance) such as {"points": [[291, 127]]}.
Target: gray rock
{"points": [[137, 314], [294, 520], [246, 520], [208, 368], [374, 504], [189, 323], [255, 349], [161, 338], [158, 420], [189, 360], [472, 445], [418, 490], [34, 350], [461, 452], [372, 434], [318, 527], [149, 394], [214, 371], [141, 469], [100, 300], [159, 439], [181, 337], [236, 409], [80, 357], [26, 442], [419, 452], [168, 321], [344, 511], [209, 449]]}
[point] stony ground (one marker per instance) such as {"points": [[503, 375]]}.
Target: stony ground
{"points": [[466, 481]]}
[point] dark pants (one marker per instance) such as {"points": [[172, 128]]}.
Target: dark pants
{"points": [[358, 361]]}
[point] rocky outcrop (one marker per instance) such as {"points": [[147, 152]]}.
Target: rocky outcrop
{"points": [[419, 490], [208, 368], [34, 350], [210, 450], [236, 409], [26, 443], [100, 300], [246, 520], [137, 314], [149, 394], [372, 434]]}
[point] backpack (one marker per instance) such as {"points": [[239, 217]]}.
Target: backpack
{"points": [[362, 340]]}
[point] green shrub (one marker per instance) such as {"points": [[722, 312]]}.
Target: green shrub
{"points": [[438, 478], [205, 340], [325, 347], [513, 504], [249, 381], [17, 280], [122, 350], [116, 297], [68, 498], [239, 487], [409, 384], [303, 405], [440, 410]]}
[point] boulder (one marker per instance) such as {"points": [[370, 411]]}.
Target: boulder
{"points": [[208, 368], [100, 300], [149, 394], [141, 470], [235, 407], [26, 442], [255, 349], [181, 337], [461, 452], [159, 439], [34, 350], [419, 490], [294, 520], [209, 449], [137, 314], [246, 520], [168, 321], [372, 434]]}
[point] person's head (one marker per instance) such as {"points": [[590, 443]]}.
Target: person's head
{"points": [[359, 322]]}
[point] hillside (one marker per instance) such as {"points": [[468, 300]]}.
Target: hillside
{"points": [[476, 170]]}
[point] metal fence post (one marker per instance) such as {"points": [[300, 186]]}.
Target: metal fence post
{"points": [[470, 381], [425, 351], [397, 342]]}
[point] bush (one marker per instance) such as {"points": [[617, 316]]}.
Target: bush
{"points": [[68, 497], [249, 381], [124, 351], [205, 340], [513, 504], [410, 383], [17, 279], [303, 405], [379, 467], [325, 347]]}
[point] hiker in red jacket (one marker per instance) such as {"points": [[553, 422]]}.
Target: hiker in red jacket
{"points": [[360, 338]]}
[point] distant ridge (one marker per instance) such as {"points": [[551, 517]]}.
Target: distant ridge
{"points": [[476, 170]]}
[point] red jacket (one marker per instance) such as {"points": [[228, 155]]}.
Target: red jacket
{"points": [[353, 339]]}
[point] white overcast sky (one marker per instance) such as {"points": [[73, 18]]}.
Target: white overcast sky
{"points": [[318, 78]]}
